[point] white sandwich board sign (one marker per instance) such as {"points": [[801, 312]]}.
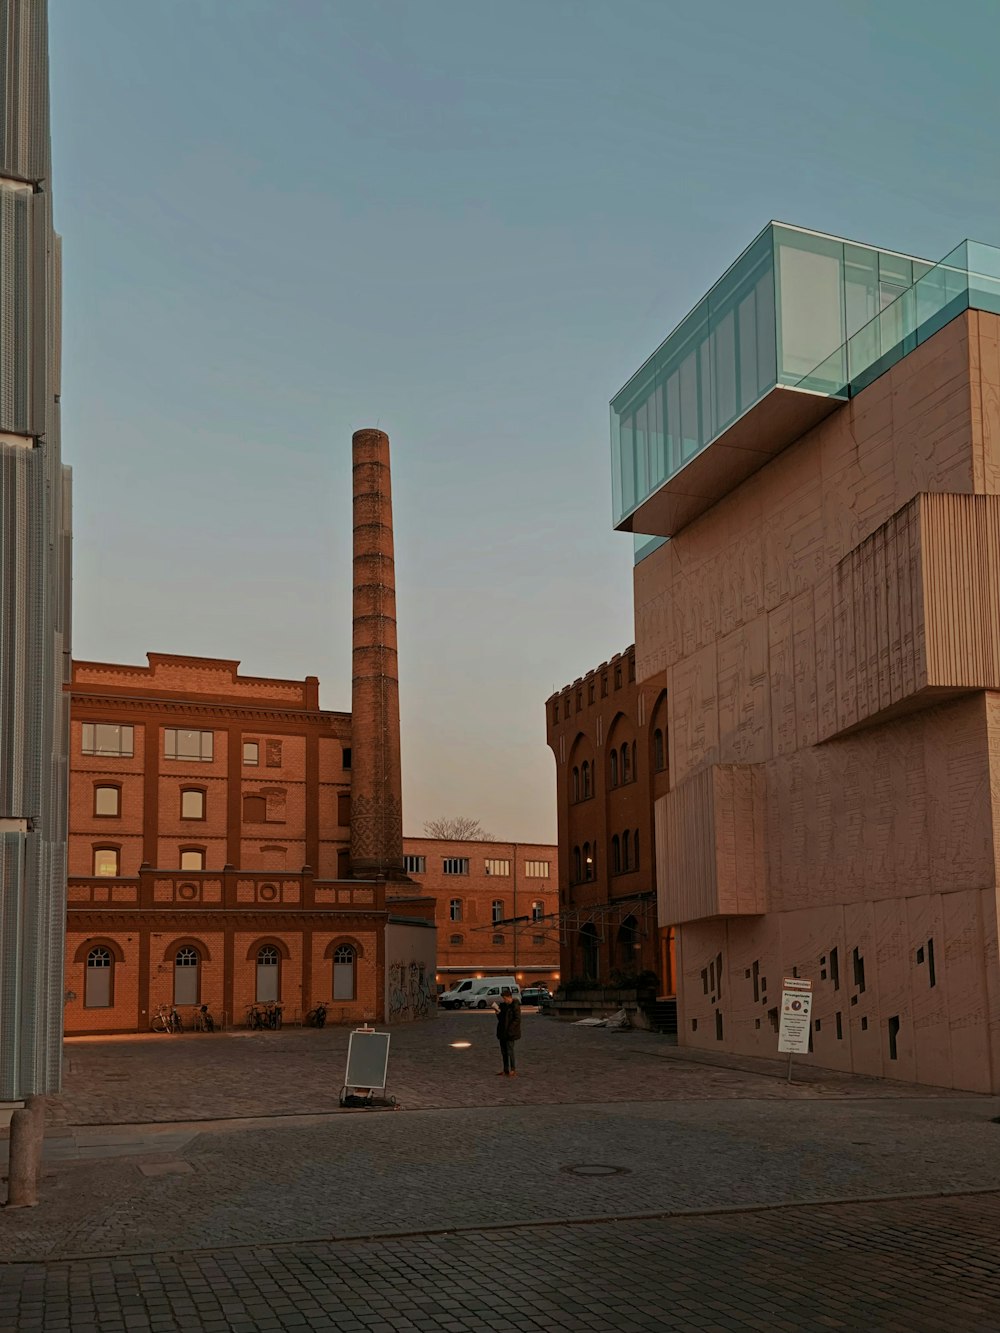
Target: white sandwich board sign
{"points": [[796, 1006]]}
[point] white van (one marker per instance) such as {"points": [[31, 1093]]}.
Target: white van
{"points": [[452, 999], [488, 991]]}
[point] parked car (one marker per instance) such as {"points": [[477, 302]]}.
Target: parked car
{"points": [[452, 999], [492, 993], [540, 995]]}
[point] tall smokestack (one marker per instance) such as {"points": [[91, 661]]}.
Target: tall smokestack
{"points": [[376, 776]]}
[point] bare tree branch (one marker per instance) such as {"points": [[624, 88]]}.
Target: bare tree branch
{"points": [[458, 829]]}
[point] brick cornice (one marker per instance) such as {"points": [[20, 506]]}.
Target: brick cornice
{"points": [[228, 711], [229, 919]]}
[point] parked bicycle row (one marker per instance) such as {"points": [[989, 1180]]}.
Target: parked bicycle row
{"points": [[267, 1016]]}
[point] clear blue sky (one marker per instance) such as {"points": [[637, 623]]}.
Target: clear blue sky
{"points": [[468, 223]]}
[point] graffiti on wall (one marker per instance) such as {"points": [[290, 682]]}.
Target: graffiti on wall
{"points": [[410, 991]]}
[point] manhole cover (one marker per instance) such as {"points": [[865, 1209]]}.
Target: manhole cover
{"points": [[595, 1169]]}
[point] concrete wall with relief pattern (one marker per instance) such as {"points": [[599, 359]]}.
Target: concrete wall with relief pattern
{"points": [[831, 627]]}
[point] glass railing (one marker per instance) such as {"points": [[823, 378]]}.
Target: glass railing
{"points": [[966, 279]]}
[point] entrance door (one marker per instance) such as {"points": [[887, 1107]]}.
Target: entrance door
{"points": [[186, 976]]}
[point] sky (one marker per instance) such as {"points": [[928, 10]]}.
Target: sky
{"points": [[466, 223]]}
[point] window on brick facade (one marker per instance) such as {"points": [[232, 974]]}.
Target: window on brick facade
{"points": [[576, 783], [251, 753], [343, 863], [454, 939], [192, 803], [268, 974], [626, 770], [635, 849], [590, 693], [346, 759], [343, 808], [577, 873], [618, 678], [344, 972], [193, 746], [254, 809], [585, 787], [415, 865], [105, 860], [588, 862], [616, 855], [98, 987], [537, 910], [536, 869], [614, 768], [107, 801], [187, 966], [497, 910], [272, 754], [109, 738], [497, 867], [193, 858], [498, 939], [626, 850], [538, 939], [455, 909], [456, 865], [604, 687], [659, 754]]}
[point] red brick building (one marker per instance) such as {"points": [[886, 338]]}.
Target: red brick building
{"points": [[497, 907], [209, 854], [609, 738]]}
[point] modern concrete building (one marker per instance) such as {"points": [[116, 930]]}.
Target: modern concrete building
{"points": [[811, 465], [34, 573]]}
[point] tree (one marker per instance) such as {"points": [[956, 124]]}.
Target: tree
{"points": [[459, 829]]}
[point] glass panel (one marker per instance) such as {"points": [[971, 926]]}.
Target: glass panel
{"points": [[343, 981], [747, 326], [192, 860], [185, 983], [192, 805], [106, 862], [267, 982], [106, 802], [690, 432], [860, 286], [809, 278]]}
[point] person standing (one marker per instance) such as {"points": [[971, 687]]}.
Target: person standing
{"points": [[508, 1031]]}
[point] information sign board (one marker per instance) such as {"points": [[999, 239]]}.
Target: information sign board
{"points": [[796, 1006]]}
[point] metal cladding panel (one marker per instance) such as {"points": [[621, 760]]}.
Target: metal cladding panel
{"points": [[24, 94], [23, 671], [16, 342], [12, 868]]}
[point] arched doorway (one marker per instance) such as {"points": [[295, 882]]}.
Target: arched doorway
{"points": [[590, 951]]}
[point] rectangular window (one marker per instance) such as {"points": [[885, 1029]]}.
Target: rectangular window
{"points": [[192, 804], [190, 745], [107, 801], [347, 756], [107, 738], [497, 867], [497, 910], [538, 939], [193, 859], [498, 939], [415, 865], [455, 909], [536, 869], [537, 910], [105, 861], [456, 865], [251, 753]]}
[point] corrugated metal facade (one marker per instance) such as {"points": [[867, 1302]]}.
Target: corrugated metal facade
{"points": [[35, 536]]}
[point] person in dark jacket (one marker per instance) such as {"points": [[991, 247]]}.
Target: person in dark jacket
{"points": [[508, 1031]]}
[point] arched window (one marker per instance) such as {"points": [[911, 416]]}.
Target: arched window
{"points": [[659, 759], [106, 861], [192, 803], [626, 771], [497, 910], [635, 850], [616, 855], [99, 987], [635, 766], [186, 973], [626, 850], [588, 862], [576, 865], [344, 960], [192, 858], [576, 784], [585, 778], [268, 973], [614, 768], [107, 802]]}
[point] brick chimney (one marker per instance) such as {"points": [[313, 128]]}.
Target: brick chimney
{"points": [[376, 777]]}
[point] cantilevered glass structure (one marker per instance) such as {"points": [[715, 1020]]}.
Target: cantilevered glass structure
{"points": [[737, 379]]}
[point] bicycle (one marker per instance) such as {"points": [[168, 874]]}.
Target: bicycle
{"points": [[272, 1015], [165, 1019], [255, 1018], [316, 1018]]}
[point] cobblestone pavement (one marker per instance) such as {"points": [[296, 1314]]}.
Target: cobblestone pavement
{"points": [[924, 1266], [200, 1077], [252, 1204]]}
